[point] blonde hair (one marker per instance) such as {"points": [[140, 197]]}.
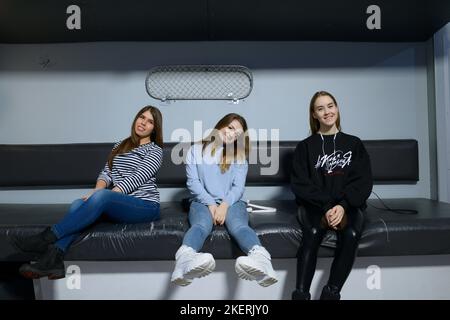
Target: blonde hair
{"points": [[241, 146]]}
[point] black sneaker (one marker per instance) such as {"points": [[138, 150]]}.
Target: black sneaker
{"points": [[50, 265], [300, 295], [330, 292], [37, 243]]}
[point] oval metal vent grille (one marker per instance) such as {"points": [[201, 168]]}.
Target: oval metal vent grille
{"points": [[199, 82]]}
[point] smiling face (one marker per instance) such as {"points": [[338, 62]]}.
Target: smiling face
{"points": [[326, 112], [143, 126], [231, 132]]}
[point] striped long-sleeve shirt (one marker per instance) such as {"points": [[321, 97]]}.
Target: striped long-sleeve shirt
{"points": [[134, 172]]}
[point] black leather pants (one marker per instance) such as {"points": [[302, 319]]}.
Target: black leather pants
{"points": [[347, 244]]}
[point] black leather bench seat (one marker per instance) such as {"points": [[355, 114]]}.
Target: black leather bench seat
{"points": [[385, 234]]}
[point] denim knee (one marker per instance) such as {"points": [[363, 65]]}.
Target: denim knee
{"points": [[205, 227], [100, 195], [75, 204], [236, 228]]}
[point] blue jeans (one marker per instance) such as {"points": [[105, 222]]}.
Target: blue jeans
{"points": [[116, 206], [236, 222]]}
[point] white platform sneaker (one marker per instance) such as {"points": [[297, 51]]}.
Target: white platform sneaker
{"points": [[256, 266], [190, 264]]}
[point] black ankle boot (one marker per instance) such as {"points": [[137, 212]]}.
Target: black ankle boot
{"points": [[300, 295], [330, 292], [50, 265], [37, 243]]}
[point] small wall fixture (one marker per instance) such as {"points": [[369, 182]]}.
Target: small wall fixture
{"points": [[199, 82]]}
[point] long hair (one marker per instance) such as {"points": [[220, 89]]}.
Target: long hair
{"points": [[314, 124], [241, 146], [133, 140]]}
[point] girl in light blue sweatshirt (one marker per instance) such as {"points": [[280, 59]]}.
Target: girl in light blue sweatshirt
{"points": [[216, 171]]}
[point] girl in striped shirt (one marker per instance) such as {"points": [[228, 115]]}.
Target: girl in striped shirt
{"points": [[130, 173]]}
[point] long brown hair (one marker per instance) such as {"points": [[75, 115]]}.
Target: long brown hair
{"points": [[133, 140], [241, 146], [314, 124]]}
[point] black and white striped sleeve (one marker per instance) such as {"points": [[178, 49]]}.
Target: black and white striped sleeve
{"points": [[105, 174], [146, 170]]}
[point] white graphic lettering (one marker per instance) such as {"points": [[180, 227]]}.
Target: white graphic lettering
{"points": [[336, 159]]}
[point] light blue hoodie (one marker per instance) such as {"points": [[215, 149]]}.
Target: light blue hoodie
{"points": [[207, 183]]}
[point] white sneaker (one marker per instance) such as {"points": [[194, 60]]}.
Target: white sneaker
{"points": [[256, 266], [191, 264]]}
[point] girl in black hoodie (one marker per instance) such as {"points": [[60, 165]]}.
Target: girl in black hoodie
{"points": [[331, 179]]}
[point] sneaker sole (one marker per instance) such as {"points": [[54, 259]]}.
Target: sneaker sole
{"points": [[247, 272], [29, 274], [267, 281], [202, 270], [181, 281]]}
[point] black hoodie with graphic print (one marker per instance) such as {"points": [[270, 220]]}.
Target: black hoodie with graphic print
{"points": [[331, 171]]}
